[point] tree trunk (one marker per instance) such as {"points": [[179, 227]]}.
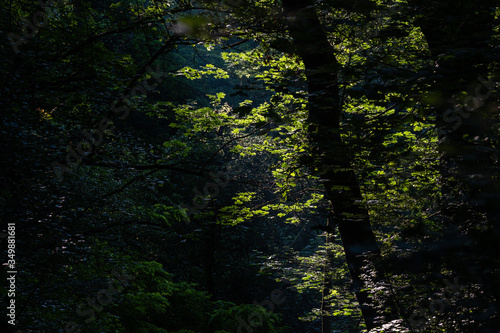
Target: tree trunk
{"points": [[331, 159], [210, 258], [458, 37], [326, 308], [467, 135]]}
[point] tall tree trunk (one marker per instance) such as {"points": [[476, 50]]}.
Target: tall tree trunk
{"points": [[210, 258], [326, 316], [459, 38], [331, 159]]}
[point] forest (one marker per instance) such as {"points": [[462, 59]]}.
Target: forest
{"points": [[250, 166]]}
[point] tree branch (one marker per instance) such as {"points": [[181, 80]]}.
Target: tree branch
{"points": [[233, 139]]}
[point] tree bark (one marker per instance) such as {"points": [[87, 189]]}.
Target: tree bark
{"points": [[458, 36], [331, 159], [326, 308], [210, 259]]}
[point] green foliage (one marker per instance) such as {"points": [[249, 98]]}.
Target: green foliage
{"points": [[232, 102]]}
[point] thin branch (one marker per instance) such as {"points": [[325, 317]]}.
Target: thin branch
{"points": [[142, 223], [123, 187], [101, 35], [234, 44], [153, 168], [151, 60], [233, 139], [383, 113]]}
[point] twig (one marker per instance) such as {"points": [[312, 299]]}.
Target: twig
{"points": [[233, 139], [121, 189], [234, 44]]}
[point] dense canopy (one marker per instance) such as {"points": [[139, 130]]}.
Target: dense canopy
{"points": [[183, 166]]}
